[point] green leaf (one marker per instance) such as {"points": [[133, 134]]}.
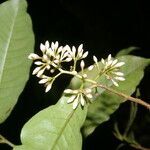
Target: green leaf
{"points": [[107, 103], [16, 42], [126, 51], [54, 128]]}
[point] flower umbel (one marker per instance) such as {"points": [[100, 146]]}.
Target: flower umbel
{"points": [[81, 96], [49, 66], [52, 60], [111, 70]]}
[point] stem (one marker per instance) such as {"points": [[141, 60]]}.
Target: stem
{"points": [[136, 100], [74, 73], [75, 63], [3, 140], [139, 147]]}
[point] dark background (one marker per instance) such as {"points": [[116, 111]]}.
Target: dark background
{"points": [[103, 27]]}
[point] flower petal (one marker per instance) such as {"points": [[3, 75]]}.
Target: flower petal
{"points": [[85, 54], [36, 70], [33, 56], [42, 48], [114, 82], [46, 45], [38, 63], [119, 64], [95, 59], [120, 78], [80, 48], [109, 57], [71, 99], [82, 101], [49, 86], [90, 67], [76, 102], [68, 91], [43, 81]]}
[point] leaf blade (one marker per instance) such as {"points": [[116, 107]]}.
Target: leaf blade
{"points": [[56, 127], [16, 42]]}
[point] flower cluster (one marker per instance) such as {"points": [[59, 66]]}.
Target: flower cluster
{"points": [[79, 96], [110, 69], [52, 58], [49, 66]]}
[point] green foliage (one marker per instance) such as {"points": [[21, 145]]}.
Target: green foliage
{"points": [[126, 51], [106, 103], [16, 42], [56, 127]]}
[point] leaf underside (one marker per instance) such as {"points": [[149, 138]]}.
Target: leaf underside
{"points": [[16, 42], [54, 128]]}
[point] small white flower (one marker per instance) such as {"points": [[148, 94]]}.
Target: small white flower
{"points": [[36, 70], [34, 56], [76, 102], [95, 59], [71, 99], [76, 54], [89, 96], [85, 55], [118, 73], [47, 81], [119, 78], [82, 64], [78, 96], [68, 91], [82, 101], [103, 61], [48, 87], [55, 45], [90, 67], [111, 68], [38, 63], [43, 81], [114, 82], [119, 64]]}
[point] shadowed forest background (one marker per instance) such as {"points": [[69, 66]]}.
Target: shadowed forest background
{"points": [[103, 27]]}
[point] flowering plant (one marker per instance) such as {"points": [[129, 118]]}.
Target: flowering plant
{"points": [[94, 93]]}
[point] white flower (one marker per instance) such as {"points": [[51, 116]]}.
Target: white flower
{"points": [[90, 67], [52, 58], [51, 61], [77, 54], [111, 69], [48, 81], [78, 96], [34, 56]]}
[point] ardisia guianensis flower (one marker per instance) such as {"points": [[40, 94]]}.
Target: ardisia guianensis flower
{"points": [[110, 69], [76, 54], [49, 66], [81, 96], [51, 58]]}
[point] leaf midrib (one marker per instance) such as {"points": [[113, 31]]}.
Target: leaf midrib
{"points": [[8, 42], [63, 128]]}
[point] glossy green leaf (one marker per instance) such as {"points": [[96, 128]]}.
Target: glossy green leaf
{"points": [[54, 128], [105, 104], [16, 42], [126, 51]]}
